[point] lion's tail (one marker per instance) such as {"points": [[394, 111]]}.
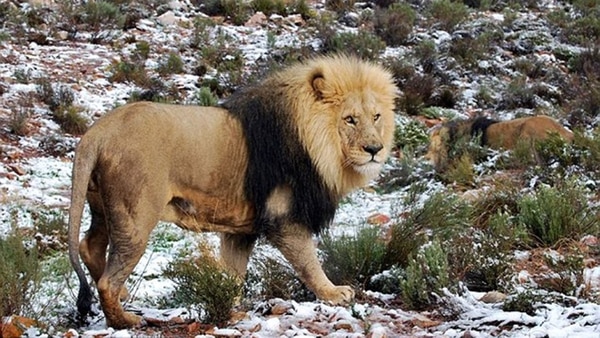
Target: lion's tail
{"points": [[84, 163]]}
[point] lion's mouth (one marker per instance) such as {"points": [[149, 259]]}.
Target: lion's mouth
{"points": [[368, 168]]}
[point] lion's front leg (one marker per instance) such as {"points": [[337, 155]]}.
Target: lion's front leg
{"points": [[297, 246]]}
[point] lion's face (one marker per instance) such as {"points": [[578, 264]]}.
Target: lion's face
{"points": [[362, 128]]}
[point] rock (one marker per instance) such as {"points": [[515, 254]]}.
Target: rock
{"points": [[295, 20], [168, 19], [15, 326], [423, 321], [226, 333], [378, 219], [493, 297], [259, 19], [343, 325], [61, 35], [17, 170]]}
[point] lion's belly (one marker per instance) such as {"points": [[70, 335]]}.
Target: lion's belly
{"points": [[210, 214]]}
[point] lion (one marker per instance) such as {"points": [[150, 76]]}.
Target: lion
{"points": [[494, 134], [273, 161]]}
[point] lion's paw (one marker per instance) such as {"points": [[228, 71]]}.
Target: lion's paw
{"points": [[128, 320], [339, 295]]}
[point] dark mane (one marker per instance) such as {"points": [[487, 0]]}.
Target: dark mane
{"points": [[479, 126], [276, 157]]}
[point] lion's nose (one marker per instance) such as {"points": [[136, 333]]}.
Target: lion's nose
{"points": [[373, 148]]}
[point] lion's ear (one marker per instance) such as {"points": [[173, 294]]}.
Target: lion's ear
{"points": [[318, 85]]}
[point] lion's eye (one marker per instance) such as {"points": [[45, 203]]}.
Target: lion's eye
{"points": [[350, 120], [376, 117]]}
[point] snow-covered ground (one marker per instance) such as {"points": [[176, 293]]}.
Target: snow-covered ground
{"points": [[31, 180]]}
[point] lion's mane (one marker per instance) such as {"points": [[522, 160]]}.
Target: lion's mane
{"points": [[293, 140]]}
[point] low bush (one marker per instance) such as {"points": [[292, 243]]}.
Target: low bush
{"points": [[269, 7], [129, 71], [426, 276], [553, 214], [172, 64], [412, 134], [447, 14], [20, 277], [204, 285], [443, 214], [339, 6], [363, 43], [70, 119], [273, 277], [205, 97], [394, 24], [460, 172], [353, 259]]}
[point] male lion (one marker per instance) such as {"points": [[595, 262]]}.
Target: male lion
{"points": [[494, 134], [273, 162]]}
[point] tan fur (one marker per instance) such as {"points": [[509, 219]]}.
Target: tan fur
{"points": [[145, 162], [501, 135]]}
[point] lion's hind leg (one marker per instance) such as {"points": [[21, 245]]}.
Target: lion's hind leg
{"points": [[128, 237], [296, 244], [92, 248]]}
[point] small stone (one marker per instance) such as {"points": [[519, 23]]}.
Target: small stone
{"points": [[343, 325], [423, 321], [378, 219], [259, 19], [493, 297]]}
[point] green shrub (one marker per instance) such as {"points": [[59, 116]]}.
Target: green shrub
{"points": [[142, 50], [269, 7], [204, 285], [417, 92], [275, 278], [20, 277], [411, 134], [395, 23], [339, 6], [236, 11], [70, 119], [22, 76], [129, 71], [426, 276], [302, 8], [201, 35], [50, 231], [519, 94], [353, 259], [555, 213], [427, 55], [205, 97], [18, 122], [443, 214], [101, 16], [363, 44], [173, 64], [567, 268], [583, 29], [447, 14], [460, 171], [522, 302]]}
